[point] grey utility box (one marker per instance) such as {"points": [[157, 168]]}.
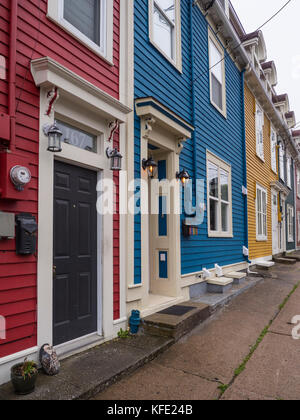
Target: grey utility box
{"points": [[7, 225]]}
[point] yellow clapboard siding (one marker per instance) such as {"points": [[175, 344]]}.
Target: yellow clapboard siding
{"points": [[257, 172]]}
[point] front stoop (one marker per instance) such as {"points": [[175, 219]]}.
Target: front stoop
{"points": [[285, 260], [263, 265], [294, 256], [87, 374], [238, 277], [176, 321], [219, 285]]}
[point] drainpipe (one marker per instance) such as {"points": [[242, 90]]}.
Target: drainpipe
{"points": [[245, 163], [192, 3], [12, 73]]}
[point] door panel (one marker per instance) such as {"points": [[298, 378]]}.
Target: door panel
{"points": [[75, 253]]}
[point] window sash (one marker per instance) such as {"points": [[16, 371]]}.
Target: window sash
{"points": [[170, 48], [217, 75], [261, 213], [259, 120], [219, 225], [273, 150]]}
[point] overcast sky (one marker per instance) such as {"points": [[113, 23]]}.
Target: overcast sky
{"points": [[282, 36]]}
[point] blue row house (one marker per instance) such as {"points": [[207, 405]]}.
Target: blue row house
{"points": [[189, 122]]}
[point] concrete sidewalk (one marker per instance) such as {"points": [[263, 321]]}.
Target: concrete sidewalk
{"points": [[212, 362]]}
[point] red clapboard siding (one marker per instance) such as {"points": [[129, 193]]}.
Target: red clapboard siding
{"points": [[39, 37]]}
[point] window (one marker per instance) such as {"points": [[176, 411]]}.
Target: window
{"points": [[217, 74], [90, 21], [289, 171], [281, 162], [259, 121], [290, 223], [164, 29], [261, 214], [77, 138], [274, 150], [298, 183], [219, 197]]}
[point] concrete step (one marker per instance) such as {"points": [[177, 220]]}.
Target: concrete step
{"points": [[284, 260], [263, 265], [219, 285], [294, 256], [238, 277], [177, 320]]}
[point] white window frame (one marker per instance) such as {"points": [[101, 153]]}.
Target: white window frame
{"points": [[281, 163], [177, 60], [298, 183], [259, 129], [213, 39], [221, 164], [261, 237], [105, 50], [289, 171], [298, 225], [290, 223], [273, 140]]}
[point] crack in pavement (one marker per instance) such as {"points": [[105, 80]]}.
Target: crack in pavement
{"points": [[259, 340]]}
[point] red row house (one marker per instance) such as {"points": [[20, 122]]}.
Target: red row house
{"points": [[63, 81]]}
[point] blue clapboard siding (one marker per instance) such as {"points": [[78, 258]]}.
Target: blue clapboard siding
{"points": [[224, 138], [155, 76]]}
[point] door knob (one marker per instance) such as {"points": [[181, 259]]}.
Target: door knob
{"points": [[54, 269]]}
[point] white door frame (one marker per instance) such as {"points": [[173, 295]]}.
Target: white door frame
{"points": [[92, 161]]}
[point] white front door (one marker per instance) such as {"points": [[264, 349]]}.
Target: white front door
{"points": [[275, 224]]}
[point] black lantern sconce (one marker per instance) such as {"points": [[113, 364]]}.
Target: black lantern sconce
{"points": [[54, 138], [150, 166], [183, 176], [115, 159]]}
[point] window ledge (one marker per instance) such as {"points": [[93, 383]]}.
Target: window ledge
{"points": [[176, 64], [261, 239], [261, 158], [220, 235], [223, 113]]}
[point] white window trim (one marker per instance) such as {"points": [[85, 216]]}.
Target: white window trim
{"points": [[289, 171], [274, 162], [298, 183], [261, 238], [212, 38], [221, 164], [290, 213], [281, 167], [105, 50], [261, 156], [298, 226], [177, 62]]}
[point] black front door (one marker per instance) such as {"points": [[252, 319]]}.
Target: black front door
{"points": [[75, 253]]}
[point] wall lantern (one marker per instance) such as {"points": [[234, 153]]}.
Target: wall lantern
{"points": [[151, 166], [54, 138], [115, 159], [183, 176]]}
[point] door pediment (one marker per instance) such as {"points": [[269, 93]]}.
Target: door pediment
{"points": [[158, 117]]}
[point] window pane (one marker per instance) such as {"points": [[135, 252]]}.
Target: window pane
{"points": [[216, 63], [77, 138], [213, 180], [217, 92], [85, 16], [259, 201], [163, 33], [225, 213], [168, 6], [213, 208], [259, 224], [224, 185]]}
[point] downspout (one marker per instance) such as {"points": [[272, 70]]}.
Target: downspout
{"points": [[192, 3], [12, 73], [245, 164]]}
